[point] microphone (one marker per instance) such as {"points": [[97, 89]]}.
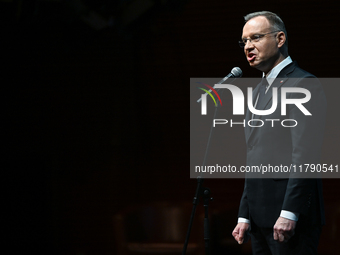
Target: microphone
{"points": [[236, 72]]}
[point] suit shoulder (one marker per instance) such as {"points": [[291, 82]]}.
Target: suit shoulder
{"points": [[300, 73], [294, 71]]}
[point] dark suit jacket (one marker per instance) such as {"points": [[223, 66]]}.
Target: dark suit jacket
{"points": [[263, 199]]}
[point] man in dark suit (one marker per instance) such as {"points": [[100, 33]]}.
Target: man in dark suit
{"points": [[282, 215]]}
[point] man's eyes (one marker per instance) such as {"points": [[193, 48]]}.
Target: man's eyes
{"points": [[254, 37]]}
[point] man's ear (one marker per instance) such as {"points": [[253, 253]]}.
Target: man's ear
{"points": [[281, 39]]}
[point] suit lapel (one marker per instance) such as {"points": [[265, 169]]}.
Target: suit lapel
{"points": [[277, 83]]}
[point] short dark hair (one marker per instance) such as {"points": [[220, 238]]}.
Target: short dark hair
{"points": [[274, 20]]}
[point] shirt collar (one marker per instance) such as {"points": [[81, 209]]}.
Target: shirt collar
{"points": [[277, 69]]}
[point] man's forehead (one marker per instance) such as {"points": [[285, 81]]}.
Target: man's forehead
{"points": [[258, 24]]}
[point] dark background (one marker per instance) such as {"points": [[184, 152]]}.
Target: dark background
{"points": [[97, 113]]}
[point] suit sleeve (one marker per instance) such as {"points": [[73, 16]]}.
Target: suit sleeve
{"points": [[307, 139], [244, 208]]}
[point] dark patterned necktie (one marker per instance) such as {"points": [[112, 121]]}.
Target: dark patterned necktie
{"points": [[263, 87], [262, 92]]}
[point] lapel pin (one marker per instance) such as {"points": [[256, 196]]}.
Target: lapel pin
{"points": [[281, 81]]}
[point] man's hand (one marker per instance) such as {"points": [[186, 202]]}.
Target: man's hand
{"points": [[284, 229], [240, 232]]}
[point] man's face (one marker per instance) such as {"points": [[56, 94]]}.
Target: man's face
{"points": [[264, 54]]}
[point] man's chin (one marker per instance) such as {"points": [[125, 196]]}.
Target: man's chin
{"points": [[253, 63], [256, 64]]}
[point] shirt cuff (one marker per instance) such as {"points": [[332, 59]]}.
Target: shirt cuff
{"points": [[243, 220], [289, 215]]}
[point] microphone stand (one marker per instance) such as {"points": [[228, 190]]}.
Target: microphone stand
{"points": [[205, 193]]}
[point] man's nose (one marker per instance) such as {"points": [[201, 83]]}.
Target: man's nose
{"points": [[248, 45]]}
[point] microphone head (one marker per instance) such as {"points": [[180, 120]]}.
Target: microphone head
{"points": [[237, 72]]}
